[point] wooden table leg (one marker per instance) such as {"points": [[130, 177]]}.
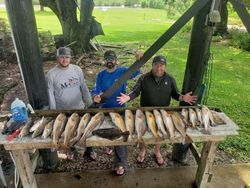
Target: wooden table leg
{"points": [[206, 163], [24, 168]]}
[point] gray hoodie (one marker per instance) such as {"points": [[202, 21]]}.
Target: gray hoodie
{"points": [[67, 88]]}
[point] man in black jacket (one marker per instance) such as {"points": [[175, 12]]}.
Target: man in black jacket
{"points": [[156, 89]]}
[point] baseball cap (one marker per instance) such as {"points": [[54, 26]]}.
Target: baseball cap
{"points": [[63, 51], [109, 55], [159, 59]]}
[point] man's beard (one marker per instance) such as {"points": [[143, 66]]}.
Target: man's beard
{"points": [[110, 65]]}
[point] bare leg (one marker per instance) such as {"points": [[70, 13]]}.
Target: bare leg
{"points": [[142, 153], [158, 155]]}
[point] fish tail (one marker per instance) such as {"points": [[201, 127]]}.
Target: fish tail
{"points": [[54, 146], [80, 145], [73, 141], [165, 136], [80, 148], [65, 149], [171, 138]]}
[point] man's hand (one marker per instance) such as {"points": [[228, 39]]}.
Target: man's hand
{"points": [[138, 54], [188, 98], [123, 99], [97, 98]]}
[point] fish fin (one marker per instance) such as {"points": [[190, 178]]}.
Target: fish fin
{"points": [[125, 136]]}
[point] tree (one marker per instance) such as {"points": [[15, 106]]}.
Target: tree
{"points": [[72, 29], [221, 28]]}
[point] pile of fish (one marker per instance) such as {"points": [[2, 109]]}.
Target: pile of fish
{"points": [[75, 130]]}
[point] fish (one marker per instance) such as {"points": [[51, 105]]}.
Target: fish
{"points": [[81, 127], [130, 122], [26, 128], [95, 122], [111, 134], [36, 124], [48, 129], [217, 119], [167, 119], [151, 124], [140, 125], [160, 123], [199, 115], [206, 119], [184, 113], [193, 118], [180, 126], [118, 121], [70, 129], [58, 128], [39, 130]]}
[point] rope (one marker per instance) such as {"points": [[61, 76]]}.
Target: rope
{"points": [[16, 175], [207, 80]]}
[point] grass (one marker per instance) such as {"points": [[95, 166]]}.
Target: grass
{"points": [[138, 28]]}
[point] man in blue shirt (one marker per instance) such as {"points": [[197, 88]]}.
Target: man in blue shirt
{"points": [[104, 80]]}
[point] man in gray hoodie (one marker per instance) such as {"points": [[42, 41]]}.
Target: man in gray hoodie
{"points": [[66, 90], [66, 84]]}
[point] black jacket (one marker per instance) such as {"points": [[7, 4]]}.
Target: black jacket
{"points": [[153, 92]]}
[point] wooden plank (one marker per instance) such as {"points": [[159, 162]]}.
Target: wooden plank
{"points": [[206, 163], [34, 158], [199, 51], [38, 143], [195, 153], [24, 168], [241, 10]]}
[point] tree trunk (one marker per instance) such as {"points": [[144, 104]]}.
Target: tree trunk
{"points": [[87, 7], [221, 28], [23, 26], [72, 29], [41, 8]]}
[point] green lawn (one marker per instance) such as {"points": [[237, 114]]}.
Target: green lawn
{"points": [[140, 27]]}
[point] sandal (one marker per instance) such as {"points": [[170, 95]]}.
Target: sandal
{"points": [[119, 171], [108, 151], [159, 160]]}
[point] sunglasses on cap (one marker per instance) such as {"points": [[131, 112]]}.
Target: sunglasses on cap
{"points": [[109, 58]]}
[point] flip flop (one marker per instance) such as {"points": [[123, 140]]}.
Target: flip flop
{"points": [[108, 151], [120, 168], [159, 160]]}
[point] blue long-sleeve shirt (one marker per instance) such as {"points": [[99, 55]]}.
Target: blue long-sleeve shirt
{"points": [[104, 80]]}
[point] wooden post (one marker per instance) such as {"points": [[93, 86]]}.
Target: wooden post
{"points": [[25, 38], [206, 163], [199, 52], [241, 10], [24, 168]]}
